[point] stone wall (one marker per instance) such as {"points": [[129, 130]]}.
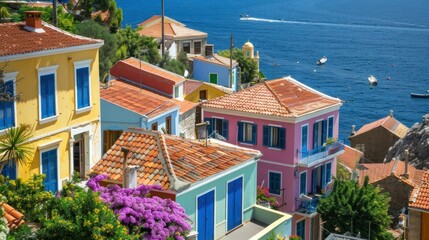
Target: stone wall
{"points": [[187, 124]]}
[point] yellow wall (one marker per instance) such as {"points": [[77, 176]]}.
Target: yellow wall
{"points": [[27, 108], [425, 225], [212, 92]]}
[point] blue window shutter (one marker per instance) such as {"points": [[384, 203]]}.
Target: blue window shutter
{"points": [[266, 137], [313, 180], [82, 85], [240, 132], [330, 127], [225, 124], [9, 170], [315, 130], [47, 95], [324, 130], [322, 170], [254, 133], [328, 172], [282, 138], [7, 110], [210, 126], [274, 179], [51, 91], [302, 183]]}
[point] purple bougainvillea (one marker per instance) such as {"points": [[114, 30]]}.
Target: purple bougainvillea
{"points": [[153, 217]]}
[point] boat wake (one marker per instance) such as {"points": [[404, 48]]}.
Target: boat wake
{"points": [[416, 28]]}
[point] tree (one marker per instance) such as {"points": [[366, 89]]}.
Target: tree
{"points": [[354, 208], [247, 65], [107, 51], [13, 148], [4, 13]]}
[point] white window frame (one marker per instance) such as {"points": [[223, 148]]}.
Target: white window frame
{"points": [[326, 169], [327, 125], [11, 77], [281, 182], [79, 65], [193, 47], [190, 46], [306, 183], [47, 147], [42, 72], [308, 132]]}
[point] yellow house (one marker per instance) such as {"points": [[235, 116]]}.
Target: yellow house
{"points": [[196, 91], [56, 76]]}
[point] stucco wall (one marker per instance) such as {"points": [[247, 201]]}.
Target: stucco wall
{"points": [[203, 69], [188, 199], [187, 124], [414, 224], [212, 92]]}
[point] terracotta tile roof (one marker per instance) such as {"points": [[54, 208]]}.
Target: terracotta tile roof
{"points": [[185, 105], [13, 217], [144, 73], [284, 97], [350, 157], [379, 171], [172, 30], [131, 97], [104, 16], [217, 59], [389, 123], [190, 86], [157, 19], [14, 39], [420, 196], [167, 160]]}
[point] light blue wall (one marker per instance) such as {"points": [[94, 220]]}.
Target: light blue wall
{"points": [[203, 69], [114, 117], [188, 199]]}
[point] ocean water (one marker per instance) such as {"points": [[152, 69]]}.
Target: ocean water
{"points": [[387, 39]]}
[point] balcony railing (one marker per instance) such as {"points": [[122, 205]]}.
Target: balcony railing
{"points": [[307, 204], [314, 156]]}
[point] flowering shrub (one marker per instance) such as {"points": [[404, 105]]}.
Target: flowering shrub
{"points": [[262, 195], [294, 237], [4, 230], [150, 217], [26, 196]]}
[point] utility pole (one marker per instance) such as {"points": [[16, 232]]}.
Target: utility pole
{"points": [[162, 28], [54, 13], [231, 45]]}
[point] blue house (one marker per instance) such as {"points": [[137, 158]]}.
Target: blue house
{"points": [[215, 69]]}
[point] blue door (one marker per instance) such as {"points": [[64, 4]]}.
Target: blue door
{"points": [[205, 226], [49, 168], [235, 203]]}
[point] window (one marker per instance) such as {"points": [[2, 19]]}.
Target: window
{"points": [[49, 167], [110, 137], [319, 133], [154, 126], [300, 229], [187, 47], [197, 47], [330, 127], [246, 132], [7, 108], [168, 124], [274, 137], [47, 96], [219, 126], [9, 170], [304, 138], [82, 77], [328, 172], [203, 94], [274, 179], [318, 176], [303, 183], [213, 78], [176, 91]]}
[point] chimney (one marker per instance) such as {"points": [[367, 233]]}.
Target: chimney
{"points": [[33, 21], [132, 176], [209, 50], [353, 132], [125, 182], [406, 164]]}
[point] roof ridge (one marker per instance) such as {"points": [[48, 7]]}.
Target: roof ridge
{"points": [[395, 163], [275, 95], [71, 34], [152, 65]]}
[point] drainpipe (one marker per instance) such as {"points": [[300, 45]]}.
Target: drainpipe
{"points": [[406, 164], [124, 169]]}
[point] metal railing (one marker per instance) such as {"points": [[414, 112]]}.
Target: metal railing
{"points": [[317, 154]]}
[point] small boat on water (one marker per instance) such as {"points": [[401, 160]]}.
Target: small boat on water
{"points": [[372, 80], [244, 16], [420, 95], [322, 60]]}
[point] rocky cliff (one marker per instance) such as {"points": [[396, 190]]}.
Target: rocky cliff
{"points": [[417, 143]]}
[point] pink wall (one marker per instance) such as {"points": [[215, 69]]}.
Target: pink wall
{"points": [[284, 160]]}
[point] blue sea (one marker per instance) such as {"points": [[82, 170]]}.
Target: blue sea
{"points": [[387, 39]]}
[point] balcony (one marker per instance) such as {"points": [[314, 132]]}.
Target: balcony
{"points": [[315, 156], [264, 222], [307, 204]]}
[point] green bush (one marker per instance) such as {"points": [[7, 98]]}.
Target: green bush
{"points": [[22, 232], [26, 196], [80, 215]]}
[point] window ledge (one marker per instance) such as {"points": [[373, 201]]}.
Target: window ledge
{"points": [[48, 119], [275, 148], [82, 110], [248, 144], [4, 130]]}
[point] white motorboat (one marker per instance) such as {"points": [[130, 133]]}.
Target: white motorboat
{"points": [[322, 60], [372, 80]]}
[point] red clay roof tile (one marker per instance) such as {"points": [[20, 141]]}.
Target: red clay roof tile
{"points": [[389, 123], [13, 217], [419, 198]]}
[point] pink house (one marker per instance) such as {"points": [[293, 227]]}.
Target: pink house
{"points": [[290, 124]]}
